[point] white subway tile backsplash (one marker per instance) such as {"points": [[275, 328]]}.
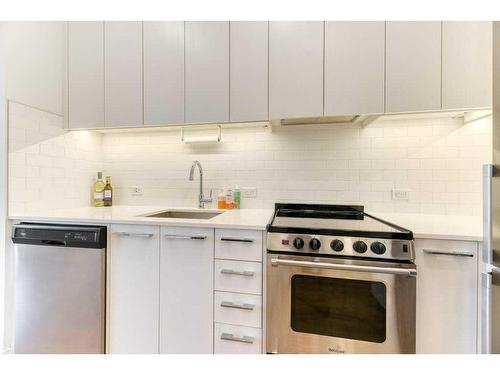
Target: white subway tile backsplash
{"points": [[438, 159]]}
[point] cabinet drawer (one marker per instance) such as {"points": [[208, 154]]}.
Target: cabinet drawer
{"points": [[235, 276], [231, 339], [239, 309], [238, 244]]}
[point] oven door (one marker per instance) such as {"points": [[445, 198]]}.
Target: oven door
{"points": [[331, 305]]}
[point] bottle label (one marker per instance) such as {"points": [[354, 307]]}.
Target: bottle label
{"points": [[98, 195], [107, 194]]}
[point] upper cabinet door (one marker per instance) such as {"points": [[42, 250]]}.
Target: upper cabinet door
{"points": [[354, 67], [163, 72], [86, 74], [207, 71], [249, 70], [413, 66], [123, 73], [467, 64], [295, 69]]}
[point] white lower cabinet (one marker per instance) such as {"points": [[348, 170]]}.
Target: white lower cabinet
{"points": [[237, 276], [133, 289], [232, 339], [186, 290], [238, 308], [447, 288]]}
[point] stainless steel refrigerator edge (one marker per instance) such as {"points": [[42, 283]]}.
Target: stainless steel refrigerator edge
{"points": [[490, 272]]}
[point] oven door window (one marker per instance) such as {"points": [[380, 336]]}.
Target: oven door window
{"points": [[343, 308]]}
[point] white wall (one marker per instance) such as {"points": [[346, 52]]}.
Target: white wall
{"points": [[49, 167], [3, 186], [35, 62], [439, 160]]}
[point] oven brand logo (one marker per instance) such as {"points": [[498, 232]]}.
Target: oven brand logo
{"points": [[336, 351]]}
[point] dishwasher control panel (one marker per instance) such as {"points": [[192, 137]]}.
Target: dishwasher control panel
{"points": [[59, 235]]}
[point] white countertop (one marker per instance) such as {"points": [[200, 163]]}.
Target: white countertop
{"points": [[240, 219], [449, 227]]}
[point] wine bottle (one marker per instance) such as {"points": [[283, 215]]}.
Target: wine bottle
{"points": [[99, 191], [108, 192]]}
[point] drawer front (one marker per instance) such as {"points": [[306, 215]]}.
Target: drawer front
{"points": [[238, 244], [240, 277], [238, 309], [232, 339]]}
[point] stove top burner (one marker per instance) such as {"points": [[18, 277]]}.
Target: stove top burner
{"points": [[336, 230]]}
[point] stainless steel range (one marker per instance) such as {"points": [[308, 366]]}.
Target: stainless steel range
{"points": [[338, 281]]}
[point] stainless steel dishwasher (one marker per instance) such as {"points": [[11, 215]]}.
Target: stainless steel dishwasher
{"points": [[59, 288]]}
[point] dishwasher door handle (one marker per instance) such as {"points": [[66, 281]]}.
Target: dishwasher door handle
{"points": [[449, 253]]}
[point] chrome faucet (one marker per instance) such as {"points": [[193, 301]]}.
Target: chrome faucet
{"points": [[201, 198]]}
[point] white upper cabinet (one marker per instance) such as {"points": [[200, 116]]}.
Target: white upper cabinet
{"points": [[123, 73], [354, 67], [207, 71], [163, 72], [467, 64], [249, 71], [413, 66], [295, 69], [186, 290], [86, 74]]}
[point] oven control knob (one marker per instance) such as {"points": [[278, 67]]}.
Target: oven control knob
{"points": [[337, 245], [359, 247], [298, 243], [315, 244], [377, 248]]}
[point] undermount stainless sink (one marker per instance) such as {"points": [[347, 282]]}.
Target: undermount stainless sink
{"points": [[171, 214]]}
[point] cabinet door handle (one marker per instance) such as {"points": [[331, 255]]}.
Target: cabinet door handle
{"points": [[238, 273], [181, 237], [132, 234], [234, 239], [450, 253], [231, 337], [232, 305]]}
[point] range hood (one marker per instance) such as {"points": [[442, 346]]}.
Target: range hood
{"points": [[347, 119]]}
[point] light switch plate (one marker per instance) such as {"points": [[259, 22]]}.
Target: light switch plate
{"points": [[400, 194], [249, 192]]}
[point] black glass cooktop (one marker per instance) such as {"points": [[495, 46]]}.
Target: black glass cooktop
{"points": [[336, 220]]}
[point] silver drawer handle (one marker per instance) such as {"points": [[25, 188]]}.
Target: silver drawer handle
{"points": [[132, 234], [234, 239], [232, 305], [180, 237], [345, 267], [231, 337], [239, 273], [451, 253]]}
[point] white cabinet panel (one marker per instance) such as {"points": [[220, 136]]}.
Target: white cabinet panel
{"points": [[163, 72], [295, 69], [207, 71], [186, 290], [231, 339], [238, 308], [238, 244], [249, 70], [467, 64], [354, 67], [86, 74], [134, 289], [237, 276], [447, 287], [413, 66], [123, 73]]}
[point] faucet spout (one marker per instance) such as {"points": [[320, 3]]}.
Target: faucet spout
{"points": [[201, 198]]}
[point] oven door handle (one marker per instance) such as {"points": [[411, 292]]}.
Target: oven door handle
{"points": [[344, 267]]}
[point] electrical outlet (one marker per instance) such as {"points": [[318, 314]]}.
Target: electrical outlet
{"points": [[249, 192], [137, 190], [400, 194]]}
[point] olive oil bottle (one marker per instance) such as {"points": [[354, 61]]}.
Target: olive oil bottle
{"points": [[99, 191], [108, 192]]}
